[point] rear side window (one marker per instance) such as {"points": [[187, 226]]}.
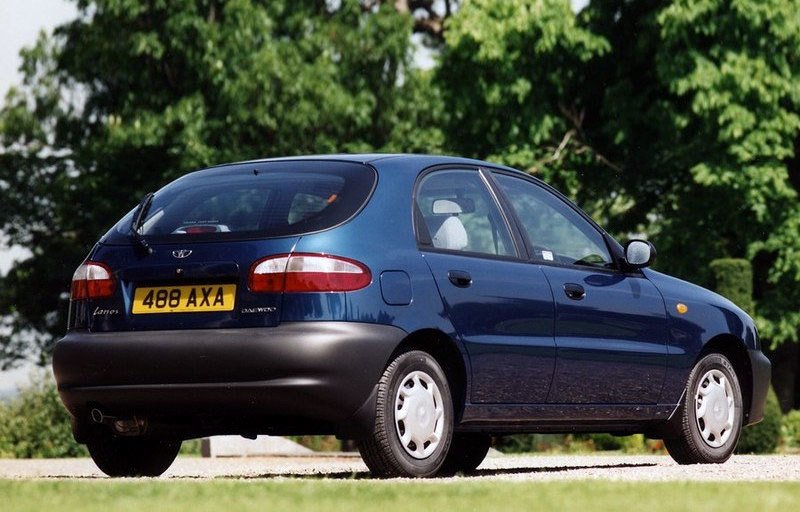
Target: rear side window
{"points": [[257, 201], [459, 214]]}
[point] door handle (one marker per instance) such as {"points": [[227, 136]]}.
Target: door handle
{"points": [[459, 278], [574, 291]]}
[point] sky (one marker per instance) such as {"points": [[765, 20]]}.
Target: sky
{"points": [[20, 23]]}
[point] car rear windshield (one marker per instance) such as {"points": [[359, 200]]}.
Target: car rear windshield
{"points": [[253, 201]]}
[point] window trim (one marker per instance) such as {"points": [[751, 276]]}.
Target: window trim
{"points": [[519, 249]]}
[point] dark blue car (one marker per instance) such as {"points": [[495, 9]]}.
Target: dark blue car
{"points": [[417, 304]]}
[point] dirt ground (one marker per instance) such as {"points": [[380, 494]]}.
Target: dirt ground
{"points": [[495, 467]]}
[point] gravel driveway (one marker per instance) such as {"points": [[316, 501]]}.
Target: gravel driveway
{"points": [[498, 467]]}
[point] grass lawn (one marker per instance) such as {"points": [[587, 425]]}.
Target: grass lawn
{"points": [[383, 496]]}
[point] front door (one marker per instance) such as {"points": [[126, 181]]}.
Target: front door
{"points": [[612, 342], [610, 326], [500, 305]]}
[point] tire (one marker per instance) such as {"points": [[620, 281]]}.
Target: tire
{"points": [[709, 418], [413, 421], [127, 456], [467, 451]]}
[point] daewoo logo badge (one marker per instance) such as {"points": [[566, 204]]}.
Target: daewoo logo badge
{"points": [[182, 253]]}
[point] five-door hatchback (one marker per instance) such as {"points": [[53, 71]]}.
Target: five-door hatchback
{"points": [[417, 304]]}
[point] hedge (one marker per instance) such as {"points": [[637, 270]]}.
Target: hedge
{"points": [[35, 424], [763, 437]]}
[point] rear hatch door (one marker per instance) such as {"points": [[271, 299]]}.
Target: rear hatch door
{"points": [[203, 234]]}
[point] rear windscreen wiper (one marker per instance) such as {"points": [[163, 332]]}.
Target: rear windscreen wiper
{"points": [[138, 220]]}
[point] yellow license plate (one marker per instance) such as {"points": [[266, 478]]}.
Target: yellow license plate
{"points": [[184, 299]]}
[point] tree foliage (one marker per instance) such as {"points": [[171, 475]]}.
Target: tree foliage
{"points": [[510, 73], [675, 118], [132, 94], [699, 106]]}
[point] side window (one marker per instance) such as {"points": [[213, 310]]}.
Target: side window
{"points": [[556, 231], [461, 215]]}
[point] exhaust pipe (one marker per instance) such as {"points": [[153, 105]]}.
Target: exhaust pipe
{"points": [[102, 419], [125, 427]]}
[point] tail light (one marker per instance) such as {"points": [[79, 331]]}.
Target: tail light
{"points": [[308, 273], [92, 280]]}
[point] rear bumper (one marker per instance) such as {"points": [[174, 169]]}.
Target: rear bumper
{"points": [[762, 371], [308, 377]]}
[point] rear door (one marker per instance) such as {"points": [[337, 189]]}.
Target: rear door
{"points": [[611, 327], [500, 306]]}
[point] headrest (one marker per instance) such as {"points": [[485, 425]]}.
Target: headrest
{"points": [[445, 207]]}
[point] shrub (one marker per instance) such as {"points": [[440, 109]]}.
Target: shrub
{"points": [[607, 442], [527, 443], [319, 443], [520, 443], [576, 443], [36, 425], [734, 280], [790, 430], [191, 447], [763, 437], [635, 443]]}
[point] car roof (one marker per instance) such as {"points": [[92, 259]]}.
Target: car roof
{"points": [[418, 160]]}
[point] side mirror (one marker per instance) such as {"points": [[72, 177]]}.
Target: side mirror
{"points": [[639, 253]]}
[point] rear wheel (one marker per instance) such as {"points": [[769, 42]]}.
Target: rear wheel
{"points": [[414, 419], [710, 415], [132, 456], [466, 453]]}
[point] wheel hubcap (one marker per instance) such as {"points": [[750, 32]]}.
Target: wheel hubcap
{"points": [[714, 407], [419, 414]]}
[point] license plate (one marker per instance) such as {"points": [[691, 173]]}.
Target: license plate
{"points": [[184, 299]]}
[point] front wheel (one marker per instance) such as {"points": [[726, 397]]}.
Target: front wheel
{"points": [[710, 415], [132, 456], [413, 421]]}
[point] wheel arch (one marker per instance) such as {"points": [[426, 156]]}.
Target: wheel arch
{"points": [[734, 349], [448, 355]]}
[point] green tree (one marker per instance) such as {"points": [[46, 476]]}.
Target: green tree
{"points": [[510, 76], [676, 118], [698, 103], [134, 93]]}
